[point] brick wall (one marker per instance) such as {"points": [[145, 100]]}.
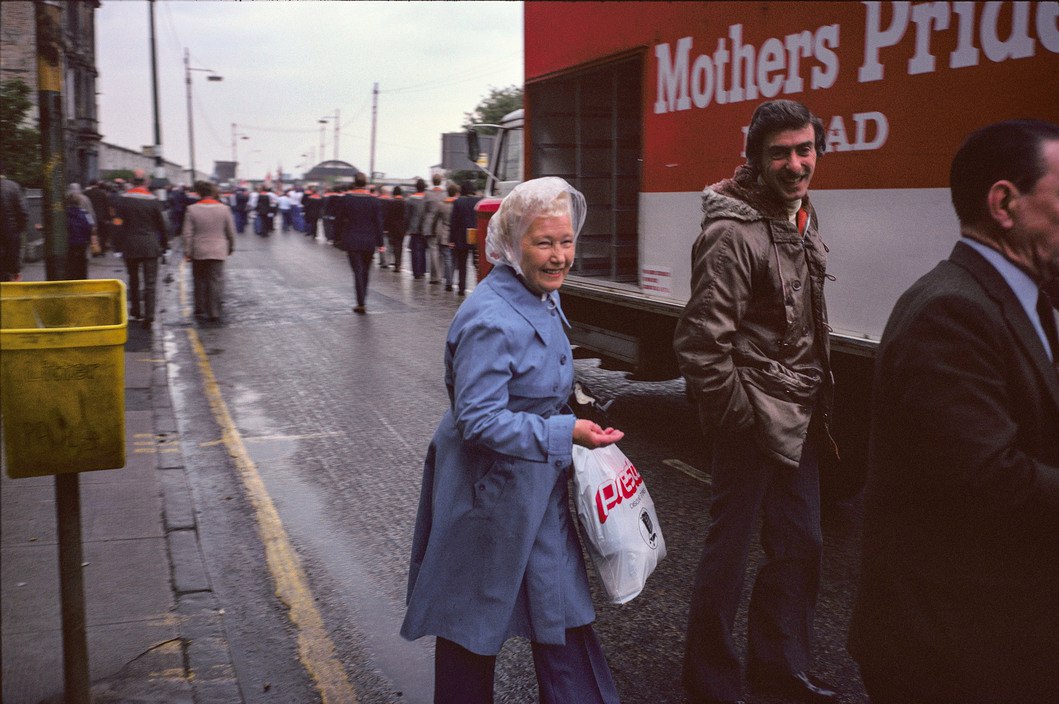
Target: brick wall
{"points": [[18, 54]]}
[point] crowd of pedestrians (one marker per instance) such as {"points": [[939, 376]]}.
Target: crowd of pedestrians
{"points": [[430, 222]]}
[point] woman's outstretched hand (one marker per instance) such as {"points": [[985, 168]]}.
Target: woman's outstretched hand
{"points": [[591, 435]]}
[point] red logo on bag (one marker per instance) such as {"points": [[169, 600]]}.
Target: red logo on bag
{"points": [[613, 491]]}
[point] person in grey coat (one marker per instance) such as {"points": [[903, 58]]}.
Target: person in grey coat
{"points": [[209, 237], [495, 553], [13, 218]]}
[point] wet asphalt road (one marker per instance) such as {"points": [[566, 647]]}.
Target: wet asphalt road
{"points": [[336, 411]]}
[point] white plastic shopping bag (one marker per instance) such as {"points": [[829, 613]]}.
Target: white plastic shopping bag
{"points": [[618, 517]]}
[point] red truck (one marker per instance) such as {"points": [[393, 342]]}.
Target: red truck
{"points": [[642, 105]]}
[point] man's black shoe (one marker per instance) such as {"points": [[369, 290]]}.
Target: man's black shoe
{"points": [[800, 685]]}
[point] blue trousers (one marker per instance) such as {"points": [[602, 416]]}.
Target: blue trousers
{"points": [[418, 244], [240, 220], [574, 672], [746, 486]]}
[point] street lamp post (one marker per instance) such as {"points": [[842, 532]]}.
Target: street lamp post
{"points": [[235, 156], [191, 125]]}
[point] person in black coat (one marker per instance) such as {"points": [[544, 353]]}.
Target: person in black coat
{"points": [[358, 231], [395, 222], [314, 206], [957, 595], [142, 239], [463, 217]]}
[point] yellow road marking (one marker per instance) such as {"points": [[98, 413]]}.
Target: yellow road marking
{"points": [[268, 438], [687, 469], [315, 648]]}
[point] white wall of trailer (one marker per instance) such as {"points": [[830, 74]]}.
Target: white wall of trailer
{"points": [[881, 241]]}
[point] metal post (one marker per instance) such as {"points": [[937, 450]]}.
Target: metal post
{"points": [[336, 134], [323, 124], [374, 113], [48, 16], [71, 586], [191, 125]]}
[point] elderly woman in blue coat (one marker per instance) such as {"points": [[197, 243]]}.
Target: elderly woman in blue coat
{"points": [[495, 552]]}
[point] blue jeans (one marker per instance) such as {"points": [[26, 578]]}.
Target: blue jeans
{"points": [[747, 485]]}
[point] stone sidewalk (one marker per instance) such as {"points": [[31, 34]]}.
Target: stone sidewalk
{"points": [[155, 630]]}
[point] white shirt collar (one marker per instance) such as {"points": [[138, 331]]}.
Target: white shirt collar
{"points": [[1024, 288]]}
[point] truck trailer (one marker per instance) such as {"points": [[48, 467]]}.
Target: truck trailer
{"points": [[641, 105]]}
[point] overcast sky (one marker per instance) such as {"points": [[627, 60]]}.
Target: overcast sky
{"points": [[285, 65]]}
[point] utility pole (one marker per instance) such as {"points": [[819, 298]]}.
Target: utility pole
{"points": [[158, 182], [48, 16], [191, 129], [374, 114]]}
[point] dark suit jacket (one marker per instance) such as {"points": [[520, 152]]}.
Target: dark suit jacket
{"points": [[960, 575], [358, 222], [143, 231], [463, 217]]}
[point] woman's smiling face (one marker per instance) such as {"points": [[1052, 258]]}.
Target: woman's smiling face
{"points": [[547, 253]]}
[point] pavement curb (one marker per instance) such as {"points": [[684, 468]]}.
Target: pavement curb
{"points": [[207, 656]]}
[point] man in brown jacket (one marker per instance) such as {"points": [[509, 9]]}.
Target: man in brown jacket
{"points": [[752, 344]]}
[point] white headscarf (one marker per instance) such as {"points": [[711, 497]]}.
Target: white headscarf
{"points": [[542, 197]]}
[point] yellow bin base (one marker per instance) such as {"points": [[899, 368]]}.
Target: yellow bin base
{"points": [[62, 376]]}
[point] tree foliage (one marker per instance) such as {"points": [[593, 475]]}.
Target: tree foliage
{"points": [[493, 107], [19, 145]]}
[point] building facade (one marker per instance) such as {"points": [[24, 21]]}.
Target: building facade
{"points": [[18, 61]]}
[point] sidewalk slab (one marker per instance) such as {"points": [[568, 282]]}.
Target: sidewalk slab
{"points": [[140, 548]]}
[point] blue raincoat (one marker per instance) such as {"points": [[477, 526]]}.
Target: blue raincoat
{"points": [[495, 552]]}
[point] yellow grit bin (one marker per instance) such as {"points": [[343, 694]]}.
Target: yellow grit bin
{"points": [[62, 376]]}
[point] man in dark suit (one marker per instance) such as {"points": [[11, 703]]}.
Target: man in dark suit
{"points": [[142, 240], [358, 231], [959, 594], [463, 217]]}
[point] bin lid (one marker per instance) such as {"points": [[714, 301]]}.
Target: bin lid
{"points": [[52, 314]]}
